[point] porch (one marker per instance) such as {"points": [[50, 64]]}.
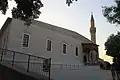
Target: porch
{"points": [[90, 53]]}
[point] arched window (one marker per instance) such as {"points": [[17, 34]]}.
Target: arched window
{"points": [[49, 45], [64, 48], [76, 51]]}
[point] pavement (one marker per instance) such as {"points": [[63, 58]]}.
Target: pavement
{"points": [[80, 73], [83, 73]]}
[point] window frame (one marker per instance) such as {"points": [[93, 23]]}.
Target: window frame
{"points": [[77, 51], [23, 40], [65, 48], [47, 45]]}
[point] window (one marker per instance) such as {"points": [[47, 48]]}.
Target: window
{"points": [[48, 45], [76, 51], [25, 40], [64, 48]]}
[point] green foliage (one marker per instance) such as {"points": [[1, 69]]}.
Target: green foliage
{"points": [[3, 6], [112, 45], [112, 13], [69, 2], [26, 10]]}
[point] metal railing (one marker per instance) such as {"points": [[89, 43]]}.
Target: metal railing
{"points": [[29, 62], [72, 66], [67, 66]]}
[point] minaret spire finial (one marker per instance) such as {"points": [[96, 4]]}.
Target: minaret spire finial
{"points": [[91, 13], [92, 18]]}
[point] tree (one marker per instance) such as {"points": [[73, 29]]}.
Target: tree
{"points": [[26, 10], [107, 65], [112, 13], [112, 45]]}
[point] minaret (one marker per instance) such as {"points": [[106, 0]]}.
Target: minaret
{"points": [[92, 29]]}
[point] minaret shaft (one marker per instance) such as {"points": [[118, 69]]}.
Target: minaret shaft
{"points": [[92, 29]]}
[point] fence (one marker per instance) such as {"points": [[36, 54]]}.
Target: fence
{"points": [[67, 66], [29, 62]]}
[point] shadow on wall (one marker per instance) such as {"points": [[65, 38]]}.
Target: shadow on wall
{"points": [[10, 74]]}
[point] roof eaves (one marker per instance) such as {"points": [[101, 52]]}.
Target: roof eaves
{"points": [[5, 25]]}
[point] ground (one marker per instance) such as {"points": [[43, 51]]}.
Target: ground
{"points": [[83, 73]]}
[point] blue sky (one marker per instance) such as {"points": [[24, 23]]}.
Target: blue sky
{"points": [[77, 18]]}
